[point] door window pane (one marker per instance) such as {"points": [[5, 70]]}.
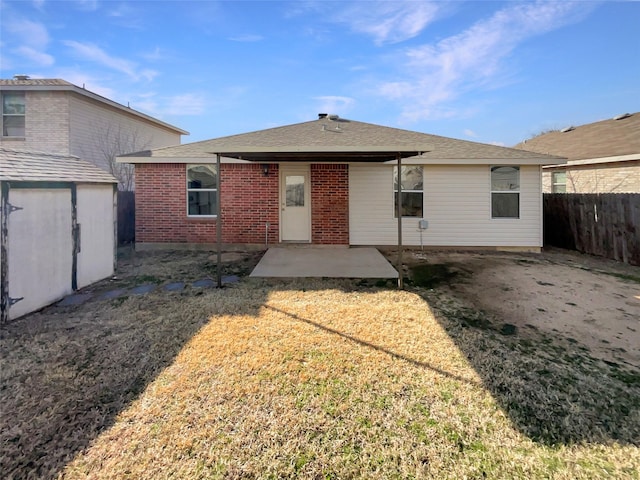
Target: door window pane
{"points": [[294, 190]]}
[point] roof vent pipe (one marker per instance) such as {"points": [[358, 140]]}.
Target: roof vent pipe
{"points": [[322, 115], [21, 77]]}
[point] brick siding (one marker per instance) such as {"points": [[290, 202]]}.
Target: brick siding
{"points": [[622, 177], [46, 123], [249, 200], [330, 204]]}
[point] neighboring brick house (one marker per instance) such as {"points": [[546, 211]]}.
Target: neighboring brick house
{"points": [[603, 157], [333, 181], [56, 117]]}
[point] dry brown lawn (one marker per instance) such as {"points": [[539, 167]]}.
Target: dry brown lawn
{"points": [[304, 379]]}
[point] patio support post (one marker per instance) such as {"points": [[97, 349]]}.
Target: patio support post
{"points": [[399, 214], [218, 224]]}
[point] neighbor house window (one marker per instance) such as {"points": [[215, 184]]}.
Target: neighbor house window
{"points": [[13, 114], [412, 191], [559, 182], [505, 192], [201, 190]]}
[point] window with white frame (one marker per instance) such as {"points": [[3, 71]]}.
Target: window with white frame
{"points": [[505, 192], [559, 181], [13, 114], [412, 191], [201, 190]]}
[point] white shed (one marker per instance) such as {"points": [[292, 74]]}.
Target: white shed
{"points": [[57, 228]]}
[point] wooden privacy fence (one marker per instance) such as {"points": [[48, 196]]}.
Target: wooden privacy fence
{"points": [[606, 224], [126, 217]]}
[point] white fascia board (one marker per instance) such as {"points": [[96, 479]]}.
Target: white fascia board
{"points": [[475, 161], [598, 161], [199, 160], [325, 149]]}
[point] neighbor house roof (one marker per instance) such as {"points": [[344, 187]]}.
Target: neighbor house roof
{"points": [[328, 137], [616, 137], [30, 166], [48, 84]]}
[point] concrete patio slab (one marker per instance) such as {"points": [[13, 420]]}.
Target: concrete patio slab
{"points": [[324, 262]]}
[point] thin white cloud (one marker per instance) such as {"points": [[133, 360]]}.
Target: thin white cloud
{"points": [[155, 55], [186, 104], [436, 74], [247, 38], [127, 16], [39, 58], [31, 33], [389, 22], [334, 104], [470, 133], [38, 4], [87, 5], [91, 52], [32, 40]]}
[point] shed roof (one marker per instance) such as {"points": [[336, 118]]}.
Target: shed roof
{"points": [[333, 138], [607, 138], [31, 166], [47, 84]]}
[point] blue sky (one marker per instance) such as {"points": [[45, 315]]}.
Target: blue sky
{"points": [[493, 72]]}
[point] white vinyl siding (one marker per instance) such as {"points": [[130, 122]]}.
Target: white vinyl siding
{"points": [[96, 128], [457, 205]]}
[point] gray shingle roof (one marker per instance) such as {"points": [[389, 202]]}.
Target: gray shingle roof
{"points": [[30, 166], [35, 82], [349, 134], [606, 138]]}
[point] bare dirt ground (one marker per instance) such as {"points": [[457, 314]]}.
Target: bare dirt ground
{"points": [[591, 301]]}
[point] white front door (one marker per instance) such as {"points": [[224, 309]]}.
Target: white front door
{"points": [[295, 211]]}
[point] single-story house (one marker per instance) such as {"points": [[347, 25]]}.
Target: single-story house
{"points": [[57, 228], [334, 181], [602, 157]]}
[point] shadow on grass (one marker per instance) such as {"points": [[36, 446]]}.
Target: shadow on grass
{"points": [[552, 390], [67, 372]]}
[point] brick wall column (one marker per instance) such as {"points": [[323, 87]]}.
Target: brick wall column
{"points": [[330, 204]]}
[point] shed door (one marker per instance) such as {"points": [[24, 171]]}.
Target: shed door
{"points": [[295, 211], [40, 250]]}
